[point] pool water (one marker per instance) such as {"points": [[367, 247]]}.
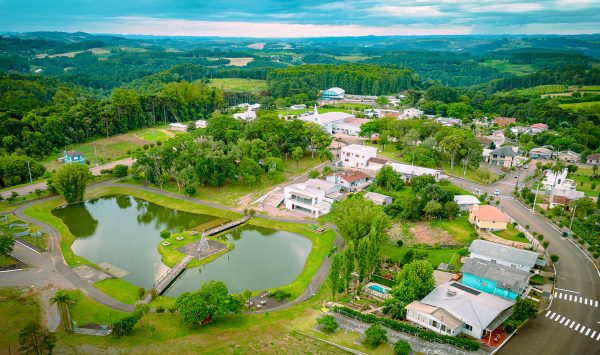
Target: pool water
{"points": [[378, 288]]}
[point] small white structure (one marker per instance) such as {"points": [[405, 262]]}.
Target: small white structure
{"points": [[411, 113], [503, 255], [350, 180], [314, 197], [178, 127], [357, 156], [538, 128], [466, 201], [569, 156], [201, 124], [298, 107], [335, 122], [454, 309], [408, 171], [378, 199], [248, 115]]}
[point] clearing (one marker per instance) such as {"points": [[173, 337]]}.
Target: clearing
{"points": [[258, 45], [581, 105], [17, 308], [505, 66], [252, 86]]}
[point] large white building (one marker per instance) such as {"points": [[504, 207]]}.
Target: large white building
{"points": [[454, 309], [408, 171], [558, 180], [313, 197], [335, 122], [357, 156], [411, 113]]}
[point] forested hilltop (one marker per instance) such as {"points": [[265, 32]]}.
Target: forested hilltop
{"points": [[59, 89]]}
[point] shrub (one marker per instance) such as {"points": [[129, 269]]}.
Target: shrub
{"points": [[328, 323], [145, 146], [527, 226], [402, 347], [120, 171], [164, 234], [159, 143], [172, 310], [375, 335], [124, 325], [279, 294], [160, 309], [399, 243], [190, 190], [521, 235], [141, 292], [540, 237], [554, 258], [545, 244]]}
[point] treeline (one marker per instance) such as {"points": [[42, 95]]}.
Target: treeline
{"points": [[568, 74], [231, 151], [359, 79], [40, 115], [15, 170], [445, 67]]}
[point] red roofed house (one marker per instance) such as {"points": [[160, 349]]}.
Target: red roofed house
{"points": [[488, 217], [504, 121], [538, 128], [350, 180]]}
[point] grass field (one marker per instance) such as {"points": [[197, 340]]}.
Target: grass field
{"points": [[119, 289], [585, 183], [351, 58], [471, 174], [505, 66], [460, 229], [434, 256], [543, 89], [16, 310], [252, 86], [511, 233], [581, 105]]}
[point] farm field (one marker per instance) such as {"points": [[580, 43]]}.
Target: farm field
{"points": [[239, 85], [580, 105], [543, 89], [505, 66]]}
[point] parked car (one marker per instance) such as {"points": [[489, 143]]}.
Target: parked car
{"points": [[496, 192]]}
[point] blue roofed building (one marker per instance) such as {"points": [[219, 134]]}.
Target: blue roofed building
{"points": [[495, 279], [333, 94], [73, 156]]}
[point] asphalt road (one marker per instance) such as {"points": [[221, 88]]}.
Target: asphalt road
{"points": [[577, 277]]}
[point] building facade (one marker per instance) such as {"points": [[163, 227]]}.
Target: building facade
{"points": [[357, 156]]}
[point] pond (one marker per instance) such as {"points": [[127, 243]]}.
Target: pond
{"points": [[125, 232]]}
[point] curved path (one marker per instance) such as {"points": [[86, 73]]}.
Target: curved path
{"points": [[49, 270]]}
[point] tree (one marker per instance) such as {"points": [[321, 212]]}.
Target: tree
{"points": [[432, 208], [334, 274], [554, 258], [7, 244], [375, 335], [313, 174], [328, 323], [382, 101], [388, 179], [415, 281], [33, 339], [362, 258], [451, 210], [451, 145], [355, 218], [211, 301], [347, 265], [70, 180], [297, 154], [124, 326], [120, 170], [62, 299], [524, 309], [325, 154], [402, 347]]}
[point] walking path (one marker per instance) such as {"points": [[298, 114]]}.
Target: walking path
{"points": [[165, 280]]}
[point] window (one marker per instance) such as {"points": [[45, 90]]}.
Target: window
{"points": [[468, 327]]}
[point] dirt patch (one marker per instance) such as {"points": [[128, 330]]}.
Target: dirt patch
{"points": [[425, 234], [239, 62], [258, 45], [167, 132], [401, 231]]}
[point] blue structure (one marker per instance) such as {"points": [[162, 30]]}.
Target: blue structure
{"points": [[333, 94], [495, 279], [73, 156]]}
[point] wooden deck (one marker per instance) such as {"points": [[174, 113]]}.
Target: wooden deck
{"points": [[226, 226], [165, 280]]}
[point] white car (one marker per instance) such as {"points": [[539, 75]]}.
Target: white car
{"points": [[496, 192]]}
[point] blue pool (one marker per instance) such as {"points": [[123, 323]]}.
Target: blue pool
{"points": [[378, 288]]}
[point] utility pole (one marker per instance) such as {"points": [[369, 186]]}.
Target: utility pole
{"points": [[535, 199], [29, 169], [573, 216]]}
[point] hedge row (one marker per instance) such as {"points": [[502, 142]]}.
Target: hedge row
{"points": [[466, 344]]}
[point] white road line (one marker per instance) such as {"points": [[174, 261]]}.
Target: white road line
{"points": [[552, 316], [582, 329], [596, 304], [554, 294], [548, 313], [572, 324], [577, 327], [560, 296], [559, 317], [598, 337], [563, 289], [594, 333], [563, 319], [586, 301], [580, 299], [570, 298], [588, 331]]}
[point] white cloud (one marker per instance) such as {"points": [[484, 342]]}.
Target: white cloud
{"points": [[504, 8], [406, 11]]}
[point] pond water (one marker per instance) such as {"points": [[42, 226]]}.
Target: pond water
{"points": [[125, 232]]}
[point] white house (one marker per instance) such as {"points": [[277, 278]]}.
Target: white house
{"points": [[558, 180], [350, 180], [593, 159], [569, 156], [298, 107], [454, 309], [248, 115], [411, 113], [408, 171], [178, 127], [314, 197], [335, 122], [466, 201], [503, 255], [378, 199], [201, 124], [538, 128], [357, 156]]}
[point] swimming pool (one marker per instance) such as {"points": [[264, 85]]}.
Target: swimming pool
{"points": [[378, 288]]}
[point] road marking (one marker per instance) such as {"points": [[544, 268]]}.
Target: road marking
{"points": [[586, 301], [572, 324], [588, 331], [582, 329], [596, 304], [570, 298], [563, 319], [565, 290], [555, 294], [553, 316], [548, 313], [594, 333], [580, 299], [598, 337], [577, 327]]}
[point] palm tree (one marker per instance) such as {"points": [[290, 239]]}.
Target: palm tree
{"points": [[62, 299], [558, 167]]}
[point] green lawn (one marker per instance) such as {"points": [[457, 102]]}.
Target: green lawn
{"points": [[543, 89], [171, 256], [85, 310], [511, 233], [460, 229], [434, 256], [580, 105], [471, 174], [390, 151], [585, 183], [16, 310], [239, 85], [119, 289], [6, 261], [505, 66]]}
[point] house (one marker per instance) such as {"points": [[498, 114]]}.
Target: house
{"points": [[73, 156], [376, 163], [378, 199], [335, 122], [408, 171], [503, 156], [411, 113], [314, 197], [349, 126], [504, 121], [497, 137], [516, 130], [487, 217], [569, 156], [495, 279], [538, 128], [563, 196], [504, 255], [298, 107], [350, 180], [558, 180], [484, 141], [454, 309], [333, 94], [201, 124], [448, 121], [178, 127], [541, 153], [248, 115], [357, 156], [466, 201], [485, 153], [387, 113], [593, 159]]}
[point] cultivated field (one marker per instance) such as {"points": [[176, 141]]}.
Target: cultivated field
{"points": [[239, 85]]}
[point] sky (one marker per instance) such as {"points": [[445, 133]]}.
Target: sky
{"points": [[308, 18]]}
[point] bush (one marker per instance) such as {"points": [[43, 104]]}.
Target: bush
{"points": [[427, 335], [402, 347], [141, 292], [124, 325], [328, 323], [190, 190], [120, 171], [545, 244], [279, 294], [160, 309], [375, 335], [164, 234], [554, 258], [399, 243]]}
